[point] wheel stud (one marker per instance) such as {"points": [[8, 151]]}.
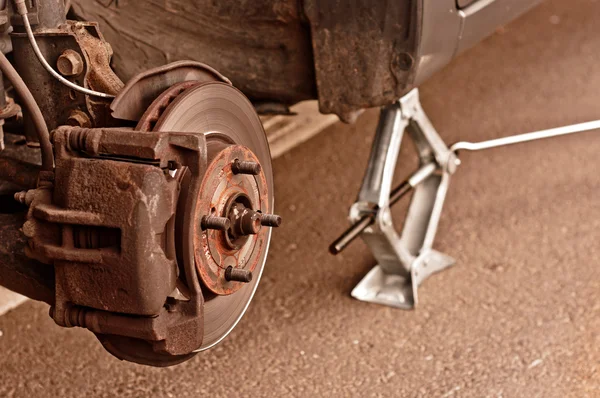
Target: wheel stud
{"points": [[238, 275], [245, 167], [270, 220], [212, 222]]}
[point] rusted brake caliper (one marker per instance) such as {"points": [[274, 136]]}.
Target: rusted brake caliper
{"points": [[158, 235]]}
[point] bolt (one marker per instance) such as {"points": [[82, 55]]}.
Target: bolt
{"points": [[20, 197], [238, 275], [270, 220], [70, 63], [212, 222], [78, 118], [245, 167], [25, 197], [404, 61]]}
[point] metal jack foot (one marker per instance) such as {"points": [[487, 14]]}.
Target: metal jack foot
{"points": [[407, 260]]}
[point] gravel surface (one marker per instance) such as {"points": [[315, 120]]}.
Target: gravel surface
{"points": [[517, 316]]}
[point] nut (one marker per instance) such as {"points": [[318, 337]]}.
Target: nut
{"points": [[78, 118]]}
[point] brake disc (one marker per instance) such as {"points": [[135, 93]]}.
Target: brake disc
{"points": [[234, 133]]}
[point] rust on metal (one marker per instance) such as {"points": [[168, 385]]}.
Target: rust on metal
{"points": [[271, 220], [351, 72], [215, 222], [137, 96], [238, 275], [263, 46], [133, 228], [122, 207], [107, 226], [18, 172], [222, 192], [245, 167], [70, 63], [71, 42], [222, 114], [159, 104], [348, 54], [17, 272], [78, 118]]}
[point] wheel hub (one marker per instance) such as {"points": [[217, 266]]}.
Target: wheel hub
{"points": [[239, 199]]}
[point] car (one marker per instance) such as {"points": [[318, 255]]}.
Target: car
{"points": [[144, 198]]}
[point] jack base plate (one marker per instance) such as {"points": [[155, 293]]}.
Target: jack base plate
{"points": [[396, 290]]}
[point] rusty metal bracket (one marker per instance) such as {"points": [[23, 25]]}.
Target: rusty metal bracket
{"points": [[82, 56]]}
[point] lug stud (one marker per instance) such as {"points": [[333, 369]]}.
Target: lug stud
{"points": [[218, 223], [245, 167], [270, 220], [238, 275]]}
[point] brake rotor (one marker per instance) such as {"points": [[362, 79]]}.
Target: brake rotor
{"points": [[234, 133]]}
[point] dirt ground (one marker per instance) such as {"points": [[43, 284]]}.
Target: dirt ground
{"points": [[517, 316]]}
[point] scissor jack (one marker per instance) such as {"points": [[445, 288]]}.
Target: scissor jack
{"points": [[407, 260]]}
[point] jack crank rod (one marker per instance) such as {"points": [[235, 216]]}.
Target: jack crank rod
{"points": [[427, 170], [397, 193], [520, 138]]}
